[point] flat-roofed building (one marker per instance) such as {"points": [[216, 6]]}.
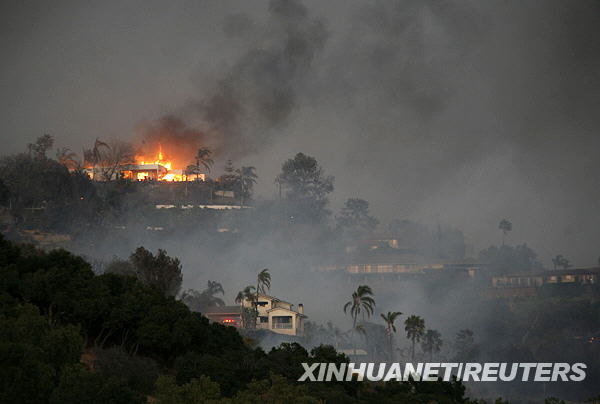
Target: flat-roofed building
{"points": [[527, 283]]}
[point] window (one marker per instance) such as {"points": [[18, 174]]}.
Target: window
{"points": [[588, 279], [385, 268], [282, 321], [264, 319], [263, 304]]}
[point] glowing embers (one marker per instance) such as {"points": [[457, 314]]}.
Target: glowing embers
{"points": [[229, 321]]}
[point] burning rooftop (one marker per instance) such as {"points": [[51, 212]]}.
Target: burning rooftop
{"points": [[157, 168]]}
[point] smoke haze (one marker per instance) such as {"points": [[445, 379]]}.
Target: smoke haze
{"points": [[458, 112]]}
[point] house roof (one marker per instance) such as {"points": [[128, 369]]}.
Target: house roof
{"points": [[288, 310], [272, 298], [223, 310], [554, 272], [142, 167]]}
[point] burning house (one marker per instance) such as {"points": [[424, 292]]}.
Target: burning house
{"points": [[142, 172], [139, 168]]}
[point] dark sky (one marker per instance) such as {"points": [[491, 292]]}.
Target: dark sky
{"points": [[461, 112]]}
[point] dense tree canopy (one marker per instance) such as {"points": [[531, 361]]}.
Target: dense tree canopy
{"points": [[159, 271], [354, 220], [306, 188], [55, 312], [508, 259]]}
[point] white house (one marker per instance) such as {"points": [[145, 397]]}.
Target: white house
{"points": [[278, 315]]}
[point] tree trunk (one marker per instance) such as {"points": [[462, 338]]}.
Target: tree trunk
{"points": [[242, 193], [110, 332], [353, 339]]}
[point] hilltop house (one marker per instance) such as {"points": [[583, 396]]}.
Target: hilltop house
{"points": [[278, 315], [274, 314], [527, 283]]}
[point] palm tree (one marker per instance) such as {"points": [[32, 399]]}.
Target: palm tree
{"points": [[389, 319], [246, 176], [200, 301], [214, 287], [505, 225], [432, 342], [263, 281], [415, 328], [246, 294], [203, 159], [561, 261], [93, 157], [466, 348], [361, 301], [263, 284]]}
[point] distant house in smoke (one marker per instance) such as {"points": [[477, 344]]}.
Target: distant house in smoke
{"points": [[391, 256], [528, 283], [274, 314], [225, 194], [401, 265], [383, 255]]}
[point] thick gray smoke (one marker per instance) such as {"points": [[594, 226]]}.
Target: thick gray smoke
{"points": [[464, 112], [251, 101], [457, 112]]}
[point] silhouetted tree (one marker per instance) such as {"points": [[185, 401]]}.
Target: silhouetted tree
{"points": [[203, 159], [354, 219], [306, 188], [246, 178], [390, 328], [506, 259], [561, 262], [505, 226], [415, 329], [160, 271], [93, 157], [115, 154], [247, 314], [432, 343], [361, 302], [465, 347], [201, 301], [66, 157], [41, 146]]}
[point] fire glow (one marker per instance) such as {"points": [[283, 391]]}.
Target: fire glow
{"points": [[160, 168]]}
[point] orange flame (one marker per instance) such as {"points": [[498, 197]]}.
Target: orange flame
{"points": [[168, 174]]}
